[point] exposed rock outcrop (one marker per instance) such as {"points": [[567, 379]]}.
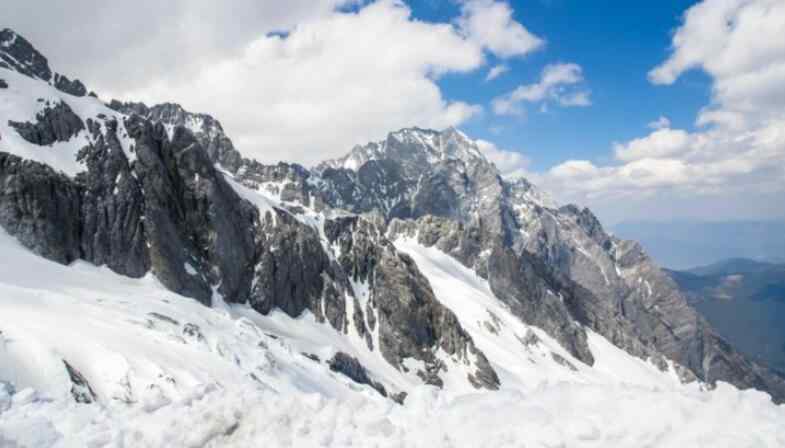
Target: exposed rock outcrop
{"points": [[54, 123], [80, 388], [200, 233], [207, 130], [411, 322], [351, 368], [112, 206], [41, 208]]}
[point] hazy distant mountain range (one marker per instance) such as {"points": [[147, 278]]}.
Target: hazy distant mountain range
{"points": [[684, 244], [745, 300]]}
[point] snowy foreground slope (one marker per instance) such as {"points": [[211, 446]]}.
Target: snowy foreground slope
{"points": [[168, 371]]}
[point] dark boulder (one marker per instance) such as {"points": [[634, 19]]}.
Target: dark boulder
{"points": [[350, 367], [80, 388]]}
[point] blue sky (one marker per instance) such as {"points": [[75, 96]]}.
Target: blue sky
{"points": [[616, 43]]}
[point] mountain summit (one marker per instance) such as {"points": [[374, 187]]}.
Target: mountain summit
{"points": [[416, 148], [17, 54]]}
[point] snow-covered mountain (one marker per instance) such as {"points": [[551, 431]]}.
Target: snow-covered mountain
{"points": [[158, 289]]}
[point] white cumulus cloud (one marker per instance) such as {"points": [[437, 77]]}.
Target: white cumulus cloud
{"points": [[511, 164], [557, 83], [496, 71], [301, 80], [659, 123], [660, 143], [735, 160], [490, 23]]}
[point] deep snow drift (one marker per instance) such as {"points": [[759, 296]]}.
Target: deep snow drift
{"points": [[167, 371]]}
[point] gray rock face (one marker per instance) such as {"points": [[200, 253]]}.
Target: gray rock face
{"points": [[414, 173], [290, 182], [680, 332], [293, 273], [17, 54], [366, 285], [533, 290], [376, 186], [411, 322], [40, 207], [194, 221], [207, 130], [112, 227], [168, 211], [522, 283], [54, 123], [3, 84], [74, 87]]}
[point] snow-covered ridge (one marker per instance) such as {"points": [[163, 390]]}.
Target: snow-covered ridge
{"points": [[17, 54], [25, 98], [172, 114]]}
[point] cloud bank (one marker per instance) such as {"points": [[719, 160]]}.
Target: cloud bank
{"points": [[734, 162], [300, 80]]}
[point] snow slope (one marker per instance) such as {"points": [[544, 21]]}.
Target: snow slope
{"points": [[239, 379], [25, 97], [524, 364]]}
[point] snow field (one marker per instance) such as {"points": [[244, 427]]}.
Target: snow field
{"points": [[157, 385]]}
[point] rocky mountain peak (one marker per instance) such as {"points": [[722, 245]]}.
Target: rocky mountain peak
{"points": [[415, 147], [524, 192], [207, 130], [18, 54], [456, 144]]}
